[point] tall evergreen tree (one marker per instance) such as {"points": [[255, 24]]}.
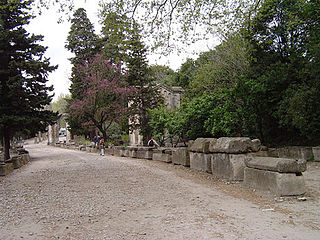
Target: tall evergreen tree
{"points": [[84, 43], [23, 75], [123, 43], [147, 96]]}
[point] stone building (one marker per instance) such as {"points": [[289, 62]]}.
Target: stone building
{"points": [[172, 99]]}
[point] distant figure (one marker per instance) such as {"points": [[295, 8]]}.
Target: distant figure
{"points": [[101, 143], [152, 142], [94, 140], [98, 140]]}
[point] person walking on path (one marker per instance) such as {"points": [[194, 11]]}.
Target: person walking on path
{"points": [[101, 143]]}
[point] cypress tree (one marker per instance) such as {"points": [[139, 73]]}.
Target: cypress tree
{"points": [[84, 43]]}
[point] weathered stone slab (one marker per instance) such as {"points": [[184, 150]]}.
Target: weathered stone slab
{"points": [[126, 152], [316, 153], [82, 148], [17, 161], [201, 145], [237, 163], [296, 152], [181, 156], [109, 151], [119, 151], [132, 151], [273, 152], [232, 145], [88, 149], [6, 168], [144, 152], [162, 154], [229, 166], [260, 154], [281, 165], [25, 158], [281, 184], [255, 145], [200, 161]]}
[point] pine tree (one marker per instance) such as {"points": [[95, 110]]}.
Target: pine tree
{"points": [[23, 75]]}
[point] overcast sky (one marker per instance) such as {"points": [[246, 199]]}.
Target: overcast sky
{"points": [[55, 36]]}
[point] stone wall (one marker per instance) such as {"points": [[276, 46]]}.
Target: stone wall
{"points": [[233, 159], [16, 161]]}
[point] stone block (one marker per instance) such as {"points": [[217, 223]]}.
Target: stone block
{"points": [[82, 148], [306, 153], [126, 152], [118, 151], [260, 154], [229, 166], [231, 145], [22, 151], [88, 149], [109, 151], [201, 145], [190, 142], [200, 161], [133, 152], [316, 153], [181, 156], [281, 184], [255, 145], [6, 168], [144, 152], [296, 152], [162, 154], [273, 152], [281, 165], [17, 161], [25, 158]]}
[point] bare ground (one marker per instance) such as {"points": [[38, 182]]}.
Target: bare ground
{"points": [[66, 194]]}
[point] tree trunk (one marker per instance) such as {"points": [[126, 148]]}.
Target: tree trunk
{"points": [[6, 145], [104, 134]]}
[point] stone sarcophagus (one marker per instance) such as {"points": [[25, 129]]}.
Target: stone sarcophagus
{"points": [[223, 157], [281, 176]]}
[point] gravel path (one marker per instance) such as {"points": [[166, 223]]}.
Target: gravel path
{"points": [[66, 194]]}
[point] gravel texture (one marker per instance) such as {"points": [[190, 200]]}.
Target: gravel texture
{"points": [[67, 194]]}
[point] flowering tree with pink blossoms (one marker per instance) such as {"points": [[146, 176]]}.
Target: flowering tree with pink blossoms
{"points": [[104, 94]]}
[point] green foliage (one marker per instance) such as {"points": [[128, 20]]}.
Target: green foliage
{"points": [[160, 118], [162, 75], [186, 73], [221, 67], [84, 43], [61, 104], [23, 73], [283, 67]]}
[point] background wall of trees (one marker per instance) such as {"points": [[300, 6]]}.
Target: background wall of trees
{"points": [[261, 81]]}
